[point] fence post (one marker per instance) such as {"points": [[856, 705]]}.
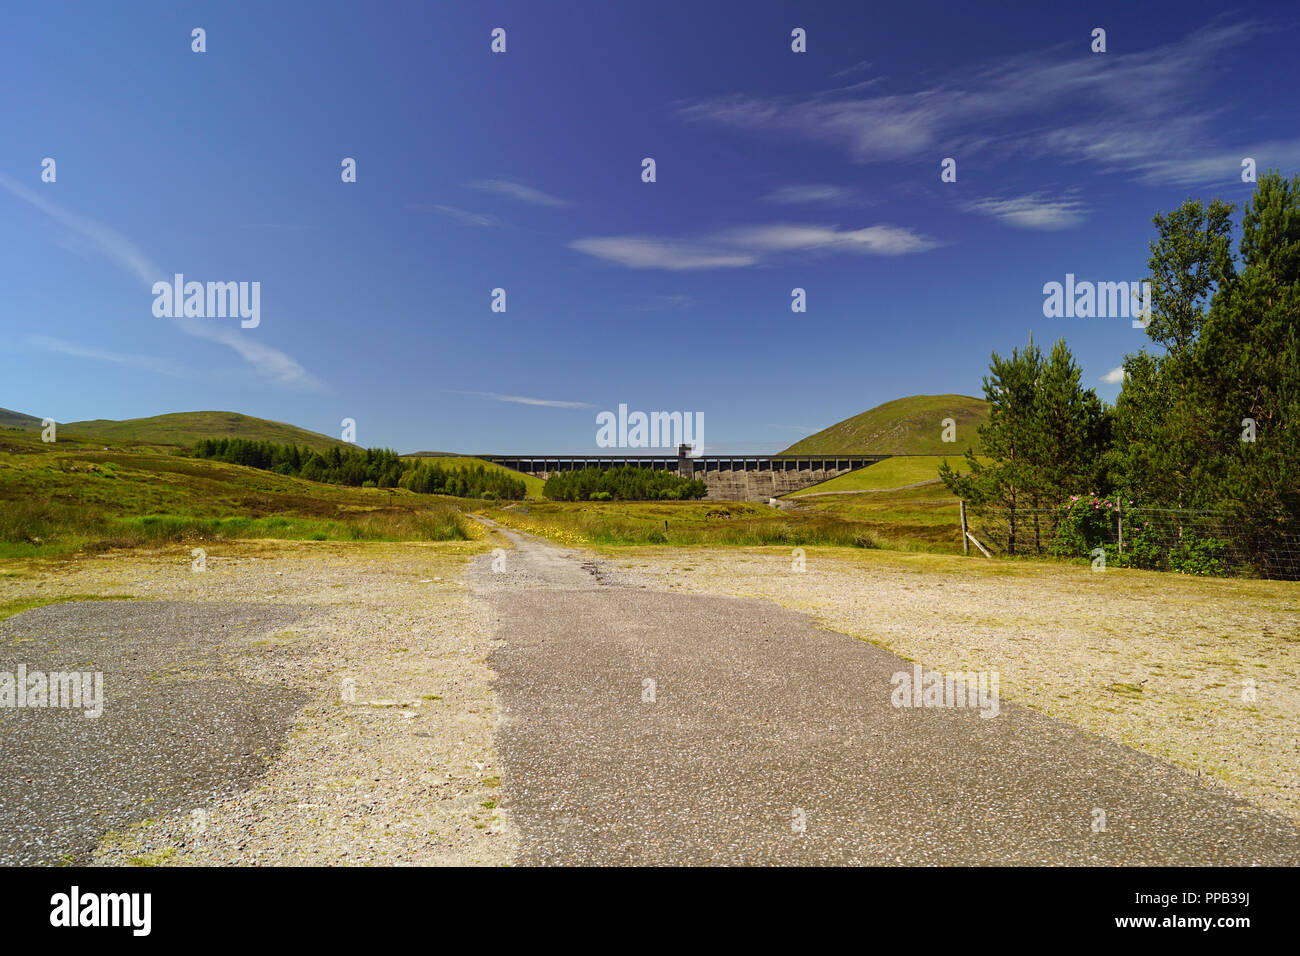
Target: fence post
{"points": [[965, 541], [1119, 507]]}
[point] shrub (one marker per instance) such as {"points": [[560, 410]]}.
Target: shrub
{"points": [[1201, 556], [1142, 549], [1084, 523]]}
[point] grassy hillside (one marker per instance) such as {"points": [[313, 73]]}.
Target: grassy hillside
{"points": [[57, 498], [905, 426], [11, 419], [185, 428], [888, 474]]}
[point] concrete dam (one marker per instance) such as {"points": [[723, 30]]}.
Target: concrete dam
{"points": [[728, 477]]}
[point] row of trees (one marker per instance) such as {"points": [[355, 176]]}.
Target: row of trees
{"points": [[475, 481], [1208, 419], [369, 467], [624, 483]]}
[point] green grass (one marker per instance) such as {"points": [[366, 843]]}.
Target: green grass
{"points": [[423, 525], [66, 532], [579, 523], [888, 474], [72, 495], [918, 519], [60, 498], [156, 858], [905, 426]]}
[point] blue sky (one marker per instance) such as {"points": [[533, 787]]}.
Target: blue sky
{"points": [[522, 171]]}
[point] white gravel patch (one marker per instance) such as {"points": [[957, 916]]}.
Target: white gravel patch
{"points": [[403, 773]]}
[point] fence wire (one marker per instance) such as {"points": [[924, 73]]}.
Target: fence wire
{"points": [[1155, 538]]}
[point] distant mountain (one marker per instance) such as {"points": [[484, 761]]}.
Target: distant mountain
{"points": [[905, 426], [12, 419], [182, 428]]}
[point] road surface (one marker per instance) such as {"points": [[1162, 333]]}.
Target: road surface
{"points": [[643, 727]]}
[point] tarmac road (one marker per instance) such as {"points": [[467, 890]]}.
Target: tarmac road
{"points": [[765, 739]]}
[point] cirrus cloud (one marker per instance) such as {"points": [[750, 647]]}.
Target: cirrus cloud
{"points": [[748, 245], [514, 190], [79, 231], [1031, 212]]}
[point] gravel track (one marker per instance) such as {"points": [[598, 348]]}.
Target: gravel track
{"points": [[767, 738]]}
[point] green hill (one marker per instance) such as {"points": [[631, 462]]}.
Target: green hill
{"points": [[12, 419], [57, 498], [185, 428], [892, 474], [905, 426]]}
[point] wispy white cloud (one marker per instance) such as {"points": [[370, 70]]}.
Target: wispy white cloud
{"points": [[1223, 165], [876, 240], [115, 247], [872, 128], [109, 243], [1031, 212], [522, 399], [814, 193], [513, 190], [461, 215], [641, 252], [747, 246], [860, 67], [149, 363], [1115, 376], [1062, 102], [269, 363]]}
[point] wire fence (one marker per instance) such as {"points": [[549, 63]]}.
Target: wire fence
{"points": [[1164, 539]]}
